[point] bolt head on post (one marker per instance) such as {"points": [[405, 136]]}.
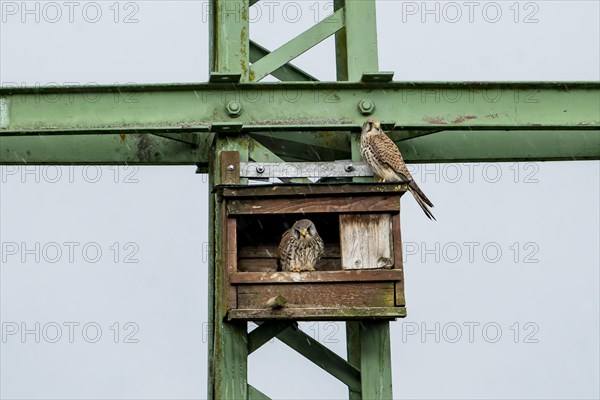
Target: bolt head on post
{"points": [[366, 107], [234, 109]]}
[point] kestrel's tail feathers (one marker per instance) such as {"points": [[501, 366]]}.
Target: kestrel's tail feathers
{"points": [[421, 199], [415, 188]]}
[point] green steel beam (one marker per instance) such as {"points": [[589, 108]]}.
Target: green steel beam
{"points": [[316, 106], [450, 146], [445, 146], [498, 146], [298, 45], [105, 149]]}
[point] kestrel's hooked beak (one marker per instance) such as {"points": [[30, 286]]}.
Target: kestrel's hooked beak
{"points": [[377, 125], [303, 232]]}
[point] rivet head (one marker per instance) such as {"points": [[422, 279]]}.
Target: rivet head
{"points": [[230, 167], [366, 107], [349, 168], [260, 169], [233, 108]]}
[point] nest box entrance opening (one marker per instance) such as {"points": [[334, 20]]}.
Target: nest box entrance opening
{"points": [[259, 236]]}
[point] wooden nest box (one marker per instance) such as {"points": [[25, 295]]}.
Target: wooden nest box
{"points": [[360, 275]]}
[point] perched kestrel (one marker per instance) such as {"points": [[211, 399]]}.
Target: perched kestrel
{"points": [[384, 158], [300, 247]]}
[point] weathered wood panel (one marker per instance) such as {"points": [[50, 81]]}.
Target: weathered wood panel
{"points": [[318, 314], [391, 189], [398, 261], [316, 276], [366, 241], [319, 295], [316, 205], [270, 264], [230, 258], [257, 264]]}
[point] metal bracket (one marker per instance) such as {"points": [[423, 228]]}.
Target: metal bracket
{"points": [[221, 77], [335, 169], [377, 77], [229, 127], [230, 167]]}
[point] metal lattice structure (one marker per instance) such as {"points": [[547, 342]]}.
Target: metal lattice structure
{"points": [[298, 119]]}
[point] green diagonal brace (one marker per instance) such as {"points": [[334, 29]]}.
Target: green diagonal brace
{"points": [[265, 332], [255, 394], [287, 72], [321, 356], [298, 45]]}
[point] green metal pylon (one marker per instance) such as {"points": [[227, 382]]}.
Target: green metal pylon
{"points": [[231, 52]]}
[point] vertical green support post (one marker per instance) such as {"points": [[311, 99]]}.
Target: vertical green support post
{"points": [[356, 50], [356, 44], [229, 31], [228, 342], [368, 347], [375, 360], [353, 351], [367, 342]]}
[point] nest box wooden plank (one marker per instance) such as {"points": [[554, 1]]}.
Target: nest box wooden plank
{"points": [[360, 274]]}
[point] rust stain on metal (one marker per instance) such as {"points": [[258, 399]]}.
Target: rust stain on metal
{"points": [[122, 136], [437, 120], [463, 118]]}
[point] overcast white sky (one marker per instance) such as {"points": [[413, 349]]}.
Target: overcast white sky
{"points": [[502, 291]]}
